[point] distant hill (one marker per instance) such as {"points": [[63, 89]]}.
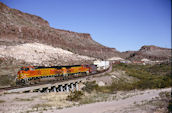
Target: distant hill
{"points": [[149, 52]]}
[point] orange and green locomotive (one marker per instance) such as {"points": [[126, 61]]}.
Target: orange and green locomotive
{"points": [[30, 73]]}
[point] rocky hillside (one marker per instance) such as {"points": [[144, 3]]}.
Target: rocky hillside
{"points": [[127, 54], [40, 54], [27, 39], [17, 27], [149, 52]]}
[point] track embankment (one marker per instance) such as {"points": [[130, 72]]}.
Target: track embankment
{"points": [[49, 85]]}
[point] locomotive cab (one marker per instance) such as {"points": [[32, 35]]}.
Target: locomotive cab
{"points": [[24, 68], [29, 68], [23, 72]]}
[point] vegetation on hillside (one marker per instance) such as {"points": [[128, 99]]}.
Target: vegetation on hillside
{"points": [[149, 76], [170, 106], [75, 96]]}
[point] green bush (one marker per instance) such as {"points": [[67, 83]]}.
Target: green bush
{"points": [[2, 101], [75, 96], [91, 86], [170, 106], [149, 76], [156, 76], [5, 80], [121, 85]]}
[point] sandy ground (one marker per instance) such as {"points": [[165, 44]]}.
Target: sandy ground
{"points": [[124, 105], [30, 102], [124, 102]]}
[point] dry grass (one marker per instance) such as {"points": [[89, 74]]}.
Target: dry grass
{"points": [[52, 101], [24, 99], [2, 101], [58, 100], [95, 97], [157, 104]]}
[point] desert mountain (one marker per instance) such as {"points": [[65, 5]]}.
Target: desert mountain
{"points": [[17, 27], [149, 52], [27, 32]]}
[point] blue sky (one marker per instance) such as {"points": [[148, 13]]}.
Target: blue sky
{"points": [[121, 24]]}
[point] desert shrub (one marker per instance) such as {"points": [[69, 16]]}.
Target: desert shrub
{"points": [[148, 77], [91, 86], [2, 101], [75, 96], [105, 89], [163, 69], [5, 80], [170, 106], [116, 85], [1, 60], [156, 76], [121, 85]]}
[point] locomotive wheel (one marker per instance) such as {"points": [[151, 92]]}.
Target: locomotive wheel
{"points": [[22, 82]]}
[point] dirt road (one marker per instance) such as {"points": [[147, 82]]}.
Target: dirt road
{"points": [[127, 105]]}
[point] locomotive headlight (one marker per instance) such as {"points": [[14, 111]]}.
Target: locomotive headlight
{"points": [[20, 74]]}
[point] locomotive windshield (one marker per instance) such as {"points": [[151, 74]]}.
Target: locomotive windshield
{"points": [[22, 68], [25, 69]]}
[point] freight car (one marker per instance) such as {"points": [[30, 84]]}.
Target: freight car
{"points": [[27, 75]]}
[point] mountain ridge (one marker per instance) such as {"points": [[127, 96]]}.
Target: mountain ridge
{"points": [[22, 27], [17, 28], [150, 52]]}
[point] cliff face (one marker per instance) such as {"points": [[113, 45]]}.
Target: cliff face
{"points": [[151, 52], [17, 27], [16, 17]]}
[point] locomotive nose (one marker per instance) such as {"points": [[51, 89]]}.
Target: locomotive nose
{"points": [[19, 74]]}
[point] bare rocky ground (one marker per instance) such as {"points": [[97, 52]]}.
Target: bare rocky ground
{"points": [[40, 54], [147, 101]]}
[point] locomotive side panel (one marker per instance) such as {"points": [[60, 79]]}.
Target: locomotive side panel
{"points": [[74, 70], [33, 73]]}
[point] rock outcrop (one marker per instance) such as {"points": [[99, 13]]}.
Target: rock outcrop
{"points": [[151, 52]]}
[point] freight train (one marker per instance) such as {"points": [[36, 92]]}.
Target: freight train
{"points": [[30, 74]]}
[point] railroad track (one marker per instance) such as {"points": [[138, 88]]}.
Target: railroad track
{"points": [[42, 83], [59, 81]]}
